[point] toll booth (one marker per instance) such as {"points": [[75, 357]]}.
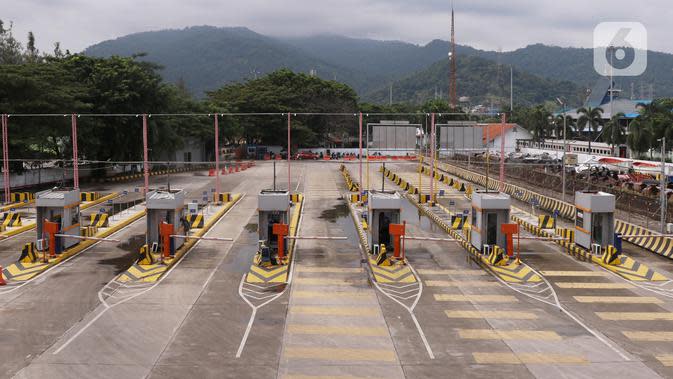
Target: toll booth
{"points": [[165, 217], [57, 213], [385, 208], [594, 219], [273, 207], [489, 211]]}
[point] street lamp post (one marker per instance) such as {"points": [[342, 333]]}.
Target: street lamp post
{"points": [[565, 122], [662, 192]]}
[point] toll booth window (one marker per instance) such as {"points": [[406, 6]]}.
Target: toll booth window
{"points": [[579, 218], [74, 216], [474, 215]]}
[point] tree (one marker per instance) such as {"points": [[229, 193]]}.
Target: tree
{"points": [[31, 51], [591, 118], [11, 51], [285, 91], [613, 131]]}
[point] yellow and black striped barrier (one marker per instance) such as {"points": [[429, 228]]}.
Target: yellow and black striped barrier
{"points": [[88, 231], [458, 221], [11, 219], [497, 256], [568, 234], [89, 196], [29, 253], [611, 256], [357, 198], [146, 257], [99, 220], [222, 197], [647, 239], [426, 199], [195, 221], [20, 197], [295, 197], [546, 222]]}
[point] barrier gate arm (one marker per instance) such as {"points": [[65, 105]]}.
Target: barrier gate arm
{"points": [[99, 239], [221, 239]]}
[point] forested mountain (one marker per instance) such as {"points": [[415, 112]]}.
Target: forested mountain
{"points": [[483, 80], [204, 58]]}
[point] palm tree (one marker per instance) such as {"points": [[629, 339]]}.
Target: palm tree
{"points": [[592, 117], [613, 132], [640, 136], [559, 126]]}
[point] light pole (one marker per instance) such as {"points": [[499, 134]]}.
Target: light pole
{"points": [[565, 123], [662, 192]]}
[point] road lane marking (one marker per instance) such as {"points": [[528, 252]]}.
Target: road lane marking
{"points": [[618, 299], [665, 359], [477, 298], [636, 316], [340, 354], [513, 315], [329, 281], [491, 334], [466, 283], [574, 273], [658, 336], [580, 285], [451, 272], [328, 294], [528, 358], [302, 269], [337, 330], [335, 311]]}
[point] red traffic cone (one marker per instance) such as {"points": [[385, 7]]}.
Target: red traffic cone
{"points": [[2, 278]]}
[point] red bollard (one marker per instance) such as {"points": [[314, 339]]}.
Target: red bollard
{"points": [[2, 278], [224, 171], [211, 172]]}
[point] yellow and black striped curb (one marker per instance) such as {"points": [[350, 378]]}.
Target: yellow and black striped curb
{"points": [[100, 220], [88, 231], [127, 177], [546, 222], [569, 245], [649, 240], [11, 219], [353, 186], [195, 221], [21, 197], [222, 197], [278, 273], [631, 269], [510, 272], [89, 196], [25, 271], [149, 273]]}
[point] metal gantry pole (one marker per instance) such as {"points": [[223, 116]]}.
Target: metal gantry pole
{"points": [[217, 158], [289, 177], [565, 148], [5, 156], [146, 164], [503, 118], [432, 151], [360, 153], [662, 193], [75, 161]]}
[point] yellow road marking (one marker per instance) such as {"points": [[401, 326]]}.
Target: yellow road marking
{"points": [[574, 273], [618, 299], [328, 282], [514, 315], [337, 330], [490, 334], [665, 359], [328, 294], [635, 316], [467, 283], [451, 272], [528, 358], [335, 311], [329, 269], [593, 285], [326, 377], [477, 298], [339, 354], [659, 336]]}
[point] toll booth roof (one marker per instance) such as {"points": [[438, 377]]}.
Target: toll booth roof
{"points": [[163, 199], [385, 200], [269, 200], [57, 197], [595, 201], [491, 200]]}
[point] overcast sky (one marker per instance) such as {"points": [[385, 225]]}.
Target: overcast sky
{"points": [[485, 24]]}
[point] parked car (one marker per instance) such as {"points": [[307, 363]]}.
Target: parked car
{"points": [[306, 155]]}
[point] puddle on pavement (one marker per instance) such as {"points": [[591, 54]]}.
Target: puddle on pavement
{"points": [[251, 227], [131, 247], [337, 212]]}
